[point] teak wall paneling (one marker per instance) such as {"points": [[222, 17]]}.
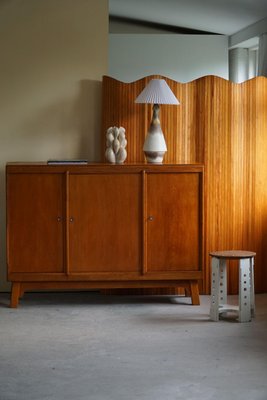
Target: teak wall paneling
{"points": [[222, 125], [119, 109]]}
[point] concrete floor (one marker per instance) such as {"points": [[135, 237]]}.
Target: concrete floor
{"points": [[80, 346]]}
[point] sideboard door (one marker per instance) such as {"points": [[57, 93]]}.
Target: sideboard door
{"points": [[35, 223], [105, 231], [173, 221]]}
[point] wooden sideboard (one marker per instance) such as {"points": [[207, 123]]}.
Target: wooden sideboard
{"points": [[104, 226]]}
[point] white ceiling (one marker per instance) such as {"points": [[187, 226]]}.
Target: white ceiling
{"points": [[216, 16]]}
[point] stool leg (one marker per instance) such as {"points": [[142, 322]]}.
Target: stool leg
{"points": [[222, 282], [252, 292], [214, 301], [244, 290]]}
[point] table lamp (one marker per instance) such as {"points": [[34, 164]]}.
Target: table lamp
{"points": [[156, 92]]}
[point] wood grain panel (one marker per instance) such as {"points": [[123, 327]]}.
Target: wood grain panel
{"points": [[35, 216], [224, 126], [173, 206], [105, 230]]}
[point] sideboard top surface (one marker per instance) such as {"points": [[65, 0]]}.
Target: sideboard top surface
{"points": [[34, 167]]}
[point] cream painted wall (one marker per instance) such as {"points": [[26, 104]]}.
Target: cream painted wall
{"points": [[53, 54]]}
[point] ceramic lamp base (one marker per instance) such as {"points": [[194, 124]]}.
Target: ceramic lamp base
{"points": [[155, 145], [154, 156]]}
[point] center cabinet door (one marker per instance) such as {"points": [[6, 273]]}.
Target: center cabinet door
{"points": [[105, 223], [173, 222]]}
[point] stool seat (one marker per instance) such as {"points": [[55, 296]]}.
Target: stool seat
{"points": [[246, 308], [233, 254]]}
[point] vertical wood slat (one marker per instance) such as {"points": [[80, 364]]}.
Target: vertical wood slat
{"points": [[67, 225], [144, 220], [224, 126]]}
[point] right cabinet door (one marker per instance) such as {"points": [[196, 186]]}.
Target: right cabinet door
{"points": [[173, 222]]}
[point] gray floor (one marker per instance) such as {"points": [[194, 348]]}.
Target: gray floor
{"points": [[79, 346]]}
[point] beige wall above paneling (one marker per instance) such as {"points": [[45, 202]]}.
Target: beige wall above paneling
{"points": [[224, 126]]}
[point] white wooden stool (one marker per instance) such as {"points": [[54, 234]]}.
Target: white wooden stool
{"points": [[246, 308]]}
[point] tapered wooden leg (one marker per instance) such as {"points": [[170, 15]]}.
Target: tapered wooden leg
{"points": [[194, 293], [15, 294]]}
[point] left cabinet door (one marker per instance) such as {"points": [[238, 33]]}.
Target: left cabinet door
{"points": [[35, 223]]}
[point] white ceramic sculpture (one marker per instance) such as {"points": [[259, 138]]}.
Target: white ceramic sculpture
{"points": [[116, 143]]}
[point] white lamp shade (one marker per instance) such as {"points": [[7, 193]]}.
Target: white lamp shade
{"points": [[157, 92]]}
